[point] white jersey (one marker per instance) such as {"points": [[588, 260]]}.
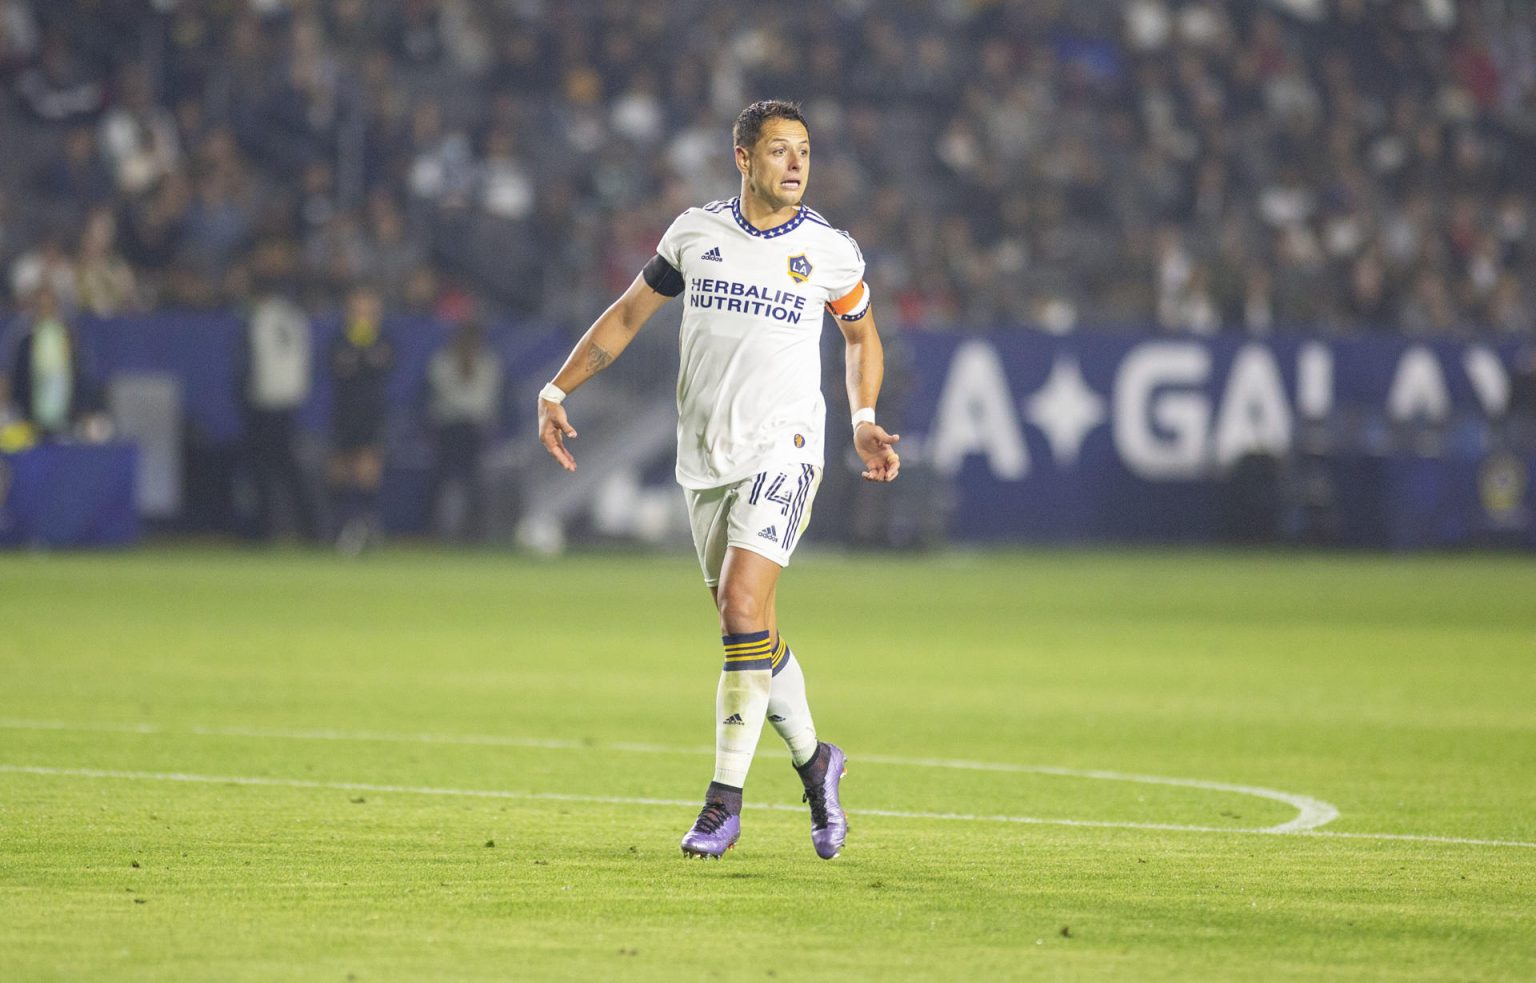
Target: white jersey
{"points": [[749, 382]]}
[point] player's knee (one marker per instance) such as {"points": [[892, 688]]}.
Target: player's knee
{"points": [[740, 609]]}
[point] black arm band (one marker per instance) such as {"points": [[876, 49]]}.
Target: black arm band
{"points": [[662, 277]]}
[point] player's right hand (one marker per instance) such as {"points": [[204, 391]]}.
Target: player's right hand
{"points": [[553, 429]]}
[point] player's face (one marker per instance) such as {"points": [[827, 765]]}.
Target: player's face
{"points": [[779, 166]]}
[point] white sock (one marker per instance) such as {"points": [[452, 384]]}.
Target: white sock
{"points": [[741, 703], [788, 710]]}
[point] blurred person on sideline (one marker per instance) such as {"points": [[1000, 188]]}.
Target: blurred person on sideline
{"points": [[48, 381], [464, 386], [275, 383], [361, 360]]}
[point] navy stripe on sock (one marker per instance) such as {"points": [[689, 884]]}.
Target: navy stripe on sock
{"points": [[782, 660], [748, 650]]}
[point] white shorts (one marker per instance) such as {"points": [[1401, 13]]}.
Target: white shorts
{"points": [[765, 513]]}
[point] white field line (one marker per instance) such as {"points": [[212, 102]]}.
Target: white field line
{"points": [[301, 783], [1310, 813]]}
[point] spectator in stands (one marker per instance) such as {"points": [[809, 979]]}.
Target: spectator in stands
{"points": [[76, 178], [103, 278], [361, 359], [46, 265], [140, 137], [387, 251], [153, 227], [61, 87], [464, 387], [1360, 165], [18, 37]]}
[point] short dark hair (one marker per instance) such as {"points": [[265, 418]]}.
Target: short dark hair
{"points": [[749, 125]]}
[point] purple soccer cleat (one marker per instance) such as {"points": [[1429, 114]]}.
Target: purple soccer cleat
{"points": [[829, 824], [715, 831]]}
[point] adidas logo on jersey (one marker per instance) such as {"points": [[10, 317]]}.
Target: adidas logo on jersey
{"points": [[714, 255], [770, 533], [735, 719]]}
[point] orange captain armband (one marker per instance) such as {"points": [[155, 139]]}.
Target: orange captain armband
{"points": [[852, 305]]}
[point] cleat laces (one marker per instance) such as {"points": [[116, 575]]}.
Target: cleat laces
{"points": [[816, 795], [711, 818]]}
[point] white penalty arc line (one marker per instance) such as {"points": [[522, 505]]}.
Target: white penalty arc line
{"points": [[1310, 813], [302, 783]]}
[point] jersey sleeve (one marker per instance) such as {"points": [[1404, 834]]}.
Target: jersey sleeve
{"points": [[847, 294], [663, 273], [670, 248]]}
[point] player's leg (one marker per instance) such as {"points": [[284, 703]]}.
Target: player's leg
{"points": [[719, 823], [745, 536], [747, 580], [741, 697], [821, 766], [788, 710]]}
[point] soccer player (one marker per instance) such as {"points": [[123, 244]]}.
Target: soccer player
{"points": [[756, 272]]}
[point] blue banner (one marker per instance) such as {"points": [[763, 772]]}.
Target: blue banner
{"points": [[1133, 437], [203, 351], [69, 495]]}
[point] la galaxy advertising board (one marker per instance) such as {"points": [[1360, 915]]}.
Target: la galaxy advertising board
{"points": [[1120, 436]]}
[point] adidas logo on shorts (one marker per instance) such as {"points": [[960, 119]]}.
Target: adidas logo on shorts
{"points": [[713, 255], [734, 718], [769, 533]]}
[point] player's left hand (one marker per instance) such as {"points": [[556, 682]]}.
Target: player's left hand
{"points": [[876, 450]]}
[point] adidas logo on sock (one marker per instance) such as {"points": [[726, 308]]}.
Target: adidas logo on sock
{"points": [[769, 533], [775, 718], [734, 718], [714, 255]]}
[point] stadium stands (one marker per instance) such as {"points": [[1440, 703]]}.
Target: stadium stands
{"points": [[1343, 167]]}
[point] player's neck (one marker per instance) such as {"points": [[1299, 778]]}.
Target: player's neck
{"points": [[762, 215]]}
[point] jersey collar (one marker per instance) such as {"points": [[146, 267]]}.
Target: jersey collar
{"points": [[772, 233]]}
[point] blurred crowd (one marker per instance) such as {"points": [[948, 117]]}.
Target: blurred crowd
{"points": [[1202, 165]]}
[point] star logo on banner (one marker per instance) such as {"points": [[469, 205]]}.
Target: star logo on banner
{"points": [[1065, 409]]}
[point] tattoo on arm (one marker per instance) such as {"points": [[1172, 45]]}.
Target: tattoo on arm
{"points": [[598, 359]]}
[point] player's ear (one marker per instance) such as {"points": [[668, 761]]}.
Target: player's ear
{"points": [[743, 159]]}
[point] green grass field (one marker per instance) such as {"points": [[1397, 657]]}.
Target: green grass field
{"points": [[240, 765]]}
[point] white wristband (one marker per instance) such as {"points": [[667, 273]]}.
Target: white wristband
{"points": [[552, 393], [866, 415]]}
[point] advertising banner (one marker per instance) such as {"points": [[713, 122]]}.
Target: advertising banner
{"points": [[1370, 441]]}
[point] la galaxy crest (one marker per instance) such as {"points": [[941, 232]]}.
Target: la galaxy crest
{"points": [[799, 268]]}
